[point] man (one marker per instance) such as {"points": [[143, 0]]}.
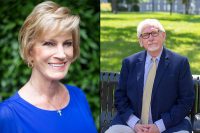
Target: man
{"points": [[155, 91]]}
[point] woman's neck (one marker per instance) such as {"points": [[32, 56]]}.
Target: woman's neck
{"points": [[43, 85], [41, 88], [44, 93]]}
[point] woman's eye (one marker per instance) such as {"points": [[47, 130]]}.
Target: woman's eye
{"points": [[68, 43], [49, 44]]}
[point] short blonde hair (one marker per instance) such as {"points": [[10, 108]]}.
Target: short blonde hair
{"points": [[44, 17], [149, 22]]}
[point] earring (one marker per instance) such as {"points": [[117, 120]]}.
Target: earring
{"points": [[30, 64]]}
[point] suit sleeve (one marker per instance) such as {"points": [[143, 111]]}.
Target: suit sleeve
{"points": [[185, 97], [122, 102]]}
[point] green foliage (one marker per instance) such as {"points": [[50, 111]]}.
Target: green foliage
{"points": [[119, 39], [84, 73], [132, 1], [170, 1], [135, 8], [187, 5]]}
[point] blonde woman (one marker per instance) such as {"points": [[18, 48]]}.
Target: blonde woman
{"points": [[49, 43]]}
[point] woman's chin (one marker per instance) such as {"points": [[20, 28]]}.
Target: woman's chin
{"points": [[56, 76]]}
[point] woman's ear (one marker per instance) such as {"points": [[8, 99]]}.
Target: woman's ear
{"points": [[30, 58], [30, 62], [30, 52]]}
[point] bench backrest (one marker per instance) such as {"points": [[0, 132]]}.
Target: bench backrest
{"points": [[108, 83]]}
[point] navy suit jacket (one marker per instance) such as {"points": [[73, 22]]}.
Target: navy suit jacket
{"points": [[172, 94]]}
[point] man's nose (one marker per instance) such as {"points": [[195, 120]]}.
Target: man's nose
{"points": [[150, 37]]}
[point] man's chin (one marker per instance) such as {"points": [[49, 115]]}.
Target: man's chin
{"points": [[153, 49]]}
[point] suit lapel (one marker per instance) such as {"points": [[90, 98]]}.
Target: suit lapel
{"points": [[140, 76], [162, 66]]}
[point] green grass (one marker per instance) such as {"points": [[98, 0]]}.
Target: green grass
{"points": [[118, 37]]}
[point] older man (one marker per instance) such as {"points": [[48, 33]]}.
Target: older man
{"points": [[155, 92]]}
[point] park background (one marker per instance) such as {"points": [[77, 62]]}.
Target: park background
{"points": [[118, 29], [118, 26], [84, 72]]}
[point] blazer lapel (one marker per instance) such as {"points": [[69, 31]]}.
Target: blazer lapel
{"points": [[162, 66], [140, 77]]}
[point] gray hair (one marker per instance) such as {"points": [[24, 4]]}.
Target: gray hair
{"points": [[149, 22]]}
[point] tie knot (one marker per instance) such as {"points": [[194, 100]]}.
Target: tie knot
{"points": [[153, 60]]}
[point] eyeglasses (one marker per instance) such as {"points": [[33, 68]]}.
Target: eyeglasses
{"points": [[147, 35]]}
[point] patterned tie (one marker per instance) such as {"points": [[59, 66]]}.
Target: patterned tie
{"points": [[147, 93]]}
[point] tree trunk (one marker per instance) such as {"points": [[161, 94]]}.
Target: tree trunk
{"points": [[153, 5], [171, 4], [187, 6], [114, 6]]}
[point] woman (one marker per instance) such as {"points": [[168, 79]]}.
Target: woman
{"points": [[49, 43]]}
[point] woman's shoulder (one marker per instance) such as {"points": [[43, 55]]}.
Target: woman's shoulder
{"points": [[6, 113], [76, 93], [74, 90], [7, 105], [5, 110], [6, 117]]}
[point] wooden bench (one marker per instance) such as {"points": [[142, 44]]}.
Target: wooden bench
{"points": [[108, 83]]}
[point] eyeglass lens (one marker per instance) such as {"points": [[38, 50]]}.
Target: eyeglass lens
{"points": [[147, 35]]}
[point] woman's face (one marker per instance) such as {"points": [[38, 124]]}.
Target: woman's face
{"points": [[52, 56]]}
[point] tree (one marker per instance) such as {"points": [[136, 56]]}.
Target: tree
{"points": [[114, 6], [153, 5], [133, 5], [187, 5], [171, 4]]}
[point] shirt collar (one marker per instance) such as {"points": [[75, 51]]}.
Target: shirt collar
{"points": [[148, 57]]}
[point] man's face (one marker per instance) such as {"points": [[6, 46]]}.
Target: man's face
{"points": [[152, 40]]}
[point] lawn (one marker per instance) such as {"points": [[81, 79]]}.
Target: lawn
{"points": [[118, 37]]}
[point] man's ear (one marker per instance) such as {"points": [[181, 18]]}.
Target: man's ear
{"points": [[140, 42], [164, 35]]}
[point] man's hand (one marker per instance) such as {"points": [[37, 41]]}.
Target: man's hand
{"points": [[139, 128], [152, 128], [149, 128]]}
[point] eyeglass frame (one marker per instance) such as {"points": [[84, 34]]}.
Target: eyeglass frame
{"points": [[153, 35]]}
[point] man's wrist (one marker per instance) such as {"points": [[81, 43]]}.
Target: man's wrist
{"points": [[132, 121], [160, 125], [139, 122]]}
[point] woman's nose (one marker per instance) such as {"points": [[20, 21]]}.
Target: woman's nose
{"points": [[60, 52]]}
